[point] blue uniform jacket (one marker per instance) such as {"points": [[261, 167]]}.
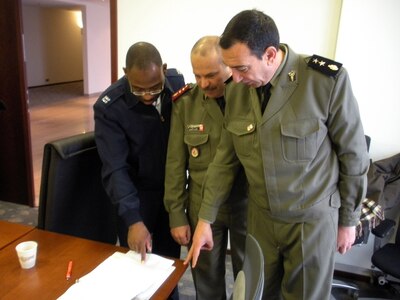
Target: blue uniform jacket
{"points": [[132, 140]]}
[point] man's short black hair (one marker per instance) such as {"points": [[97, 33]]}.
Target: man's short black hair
{"points": [[253, 28], [142, 55]]}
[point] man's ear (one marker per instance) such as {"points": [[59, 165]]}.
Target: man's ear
{"points": [[270, 54], [125, 70], [164, 66]]}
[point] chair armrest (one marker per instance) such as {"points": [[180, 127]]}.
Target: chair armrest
{"points": [[384, 228]]}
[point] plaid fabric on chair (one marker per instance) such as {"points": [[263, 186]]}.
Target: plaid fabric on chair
{"points": [[371, 215]]}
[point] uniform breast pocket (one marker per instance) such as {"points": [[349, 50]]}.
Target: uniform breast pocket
{"points": [[300, 139], [199, 148], [243, 136]]}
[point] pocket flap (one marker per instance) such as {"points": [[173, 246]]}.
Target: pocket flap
{"points": [[300, 129], [196, 139], [241, 127]]}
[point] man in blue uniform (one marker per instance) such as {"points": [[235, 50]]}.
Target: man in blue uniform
{"points": [[132, 120], [293, 123]]}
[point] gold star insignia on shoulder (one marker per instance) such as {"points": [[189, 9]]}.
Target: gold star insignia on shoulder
{"points": [[324, 65]]}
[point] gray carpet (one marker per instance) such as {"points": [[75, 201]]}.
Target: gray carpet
{"points": [[17, 213]]}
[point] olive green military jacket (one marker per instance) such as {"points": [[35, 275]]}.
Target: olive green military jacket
{"points": [[305, 156], [196, 125]]}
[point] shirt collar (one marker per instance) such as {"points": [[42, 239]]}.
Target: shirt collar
{"points": [[284, 50]]}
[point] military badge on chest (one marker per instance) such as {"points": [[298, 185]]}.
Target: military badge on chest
{"points": [[195, 152], [195, 127]]}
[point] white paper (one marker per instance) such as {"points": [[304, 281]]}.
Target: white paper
{"points": [[122, 276]]}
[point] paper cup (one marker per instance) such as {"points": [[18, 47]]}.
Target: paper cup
{"points": [[26, 252]]}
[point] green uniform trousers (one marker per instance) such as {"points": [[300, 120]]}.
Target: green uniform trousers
{"points": [[299, 257], [209, 274]]}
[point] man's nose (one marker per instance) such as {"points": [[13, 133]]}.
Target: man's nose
{"points": [[148, 97], [203, 83], [236, 76]]}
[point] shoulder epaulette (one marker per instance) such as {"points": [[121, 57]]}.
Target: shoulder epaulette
{"points": [[182, 91], [324, 65], [109, 96], [105, 99]]}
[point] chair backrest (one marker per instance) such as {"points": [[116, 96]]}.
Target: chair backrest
{"points": [[72, 199], [175, 79], [249, 283]]}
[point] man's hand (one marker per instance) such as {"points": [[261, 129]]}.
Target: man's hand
{"points": [[139, 239], [202, 240], [346, 238], [182, 234]]}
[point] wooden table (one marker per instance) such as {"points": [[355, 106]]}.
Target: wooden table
{"points": [[47, 279], [9, 232]]}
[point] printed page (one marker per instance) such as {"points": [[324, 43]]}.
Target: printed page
{"points": [[122, 276]]}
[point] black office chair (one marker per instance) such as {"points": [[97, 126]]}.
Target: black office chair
{"points": [[387, 257], [249, 283], [72, 199]]}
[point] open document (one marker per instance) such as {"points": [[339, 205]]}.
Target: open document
{"points": [[122, 276]]}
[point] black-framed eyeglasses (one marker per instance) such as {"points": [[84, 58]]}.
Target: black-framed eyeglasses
{"points": [[151, 92]]}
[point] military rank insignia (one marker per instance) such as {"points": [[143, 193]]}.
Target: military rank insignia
{"points": [[181, 91], [105, 99], [324, 65], [292, 76]]}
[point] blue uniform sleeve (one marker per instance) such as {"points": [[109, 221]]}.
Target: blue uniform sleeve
{"points": [[113, 150]]}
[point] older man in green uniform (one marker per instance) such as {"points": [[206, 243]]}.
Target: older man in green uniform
{"points": [[196, 125], [294, 125]]}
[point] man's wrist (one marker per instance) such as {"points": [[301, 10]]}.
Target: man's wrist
{"points": [[205, 221]]}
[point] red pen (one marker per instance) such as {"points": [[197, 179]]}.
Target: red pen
{"points": [[69, 270]]}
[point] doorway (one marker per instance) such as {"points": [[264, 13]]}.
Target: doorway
{"points": [[58, 41], [16, 174]]}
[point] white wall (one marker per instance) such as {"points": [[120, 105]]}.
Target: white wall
{"points": [[173, 26], [53, 44], [97, 47], [93, 55], [369, 47], [368, 44]]}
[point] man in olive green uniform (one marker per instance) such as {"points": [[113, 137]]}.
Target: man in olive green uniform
{"points": [[305, 158], [196, 125]]}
